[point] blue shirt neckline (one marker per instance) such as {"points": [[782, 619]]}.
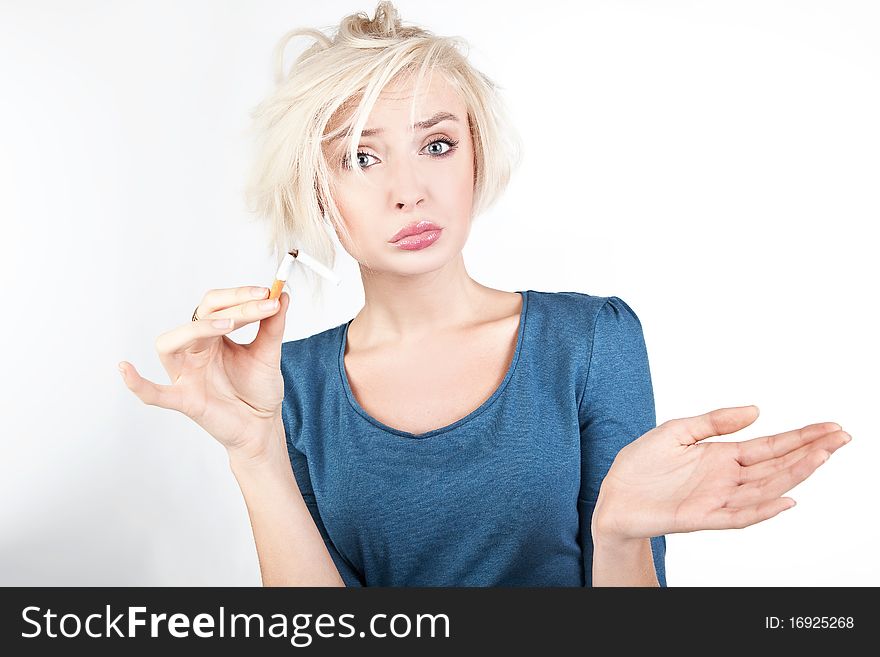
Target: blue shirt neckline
{"points": [[467, 418]]}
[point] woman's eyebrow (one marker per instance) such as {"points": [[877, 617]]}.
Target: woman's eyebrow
{"points": [[419, 125]]}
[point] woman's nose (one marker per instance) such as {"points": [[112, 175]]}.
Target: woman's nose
{"points": [[406, 185]]}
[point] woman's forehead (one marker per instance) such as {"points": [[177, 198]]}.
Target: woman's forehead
{"points": [[391, 111]]}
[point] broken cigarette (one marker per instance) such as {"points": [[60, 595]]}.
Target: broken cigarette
{"points": [[286, 267]]}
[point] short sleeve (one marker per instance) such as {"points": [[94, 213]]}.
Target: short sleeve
{"points": [[616, 408], [299, 463]]}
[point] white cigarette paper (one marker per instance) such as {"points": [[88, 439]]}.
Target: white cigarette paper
{"points": [[286, 267]]}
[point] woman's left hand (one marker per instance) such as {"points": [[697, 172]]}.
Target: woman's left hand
{"points": [[667, 481]]}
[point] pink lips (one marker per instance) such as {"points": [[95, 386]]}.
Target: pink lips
{"points": [[415, 228], [420, 241]]}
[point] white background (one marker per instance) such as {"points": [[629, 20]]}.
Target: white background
{"points": [[714, 164]]}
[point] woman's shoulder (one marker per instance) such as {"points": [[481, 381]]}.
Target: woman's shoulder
{"points": [[571, 324], [579, 307], [314, 351]]}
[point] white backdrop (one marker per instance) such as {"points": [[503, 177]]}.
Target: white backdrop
{"points": [[713, 164]]}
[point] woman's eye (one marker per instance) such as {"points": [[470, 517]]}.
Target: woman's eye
{"points": [[361, 162], [450, 144], [346, 162], [439, 151]]}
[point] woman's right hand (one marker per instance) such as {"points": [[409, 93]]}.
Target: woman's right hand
{"points": [[234, 391]]}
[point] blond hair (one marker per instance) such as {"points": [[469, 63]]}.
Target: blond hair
{"points": [[289, 182]]}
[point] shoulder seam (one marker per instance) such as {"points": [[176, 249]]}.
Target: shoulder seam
{"points": [[590, 358]]}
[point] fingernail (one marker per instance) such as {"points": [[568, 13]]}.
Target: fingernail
{"points": [[269, 304], [258, 292], [226, 322]]}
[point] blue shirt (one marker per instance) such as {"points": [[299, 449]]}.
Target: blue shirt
{"points": [[503, 496]]}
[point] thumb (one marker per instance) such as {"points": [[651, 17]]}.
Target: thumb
{"points": [[719, 422], [271, 331]]}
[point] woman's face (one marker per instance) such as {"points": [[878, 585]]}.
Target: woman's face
{"points": [[410, 175]]}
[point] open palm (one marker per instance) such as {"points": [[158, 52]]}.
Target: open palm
{"points": [[667, 481]]}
